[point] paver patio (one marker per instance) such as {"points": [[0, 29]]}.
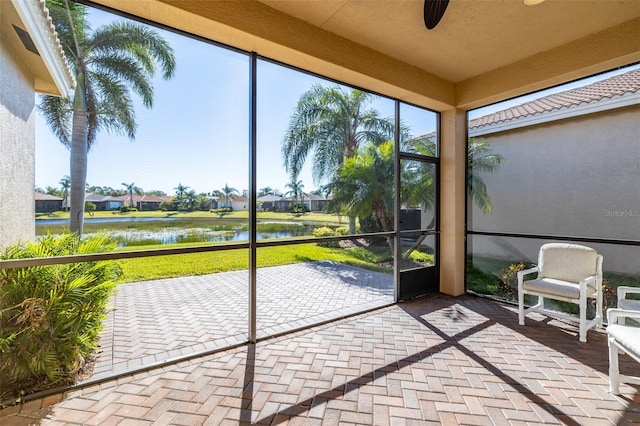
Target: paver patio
{"points": [[156, 320], [435, 360]]}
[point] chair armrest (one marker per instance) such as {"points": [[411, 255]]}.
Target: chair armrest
{"points": [[524, 272], [585, 282], [614, 313], [527, 272], [624, 290]]}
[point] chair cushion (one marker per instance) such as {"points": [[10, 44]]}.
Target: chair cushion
{"points": [[628, 337], [632, 305], [555, 287], [567, 262]]}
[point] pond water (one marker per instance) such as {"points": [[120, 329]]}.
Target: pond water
{"points": [[132, 237], [104, 220], [175, 230]]}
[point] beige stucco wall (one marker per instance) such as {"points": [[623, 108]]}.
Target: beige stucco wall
{"points": [[575, 177], [17, 151]]}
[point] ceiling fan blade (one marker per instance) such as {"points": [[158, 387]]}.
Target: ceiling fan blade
{"points": [[433, 12]]}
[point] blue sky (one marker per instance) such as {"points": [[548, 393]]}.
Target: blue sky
{"points": [[196, 134]]}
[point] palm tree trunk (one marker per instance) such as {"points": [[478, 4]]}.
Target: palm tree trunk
{"points": [[78, 170], [352, 225], [381, 214]]}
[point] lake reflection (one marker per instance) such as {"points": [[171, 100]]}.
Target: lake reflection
{"points": [[192, 235]]}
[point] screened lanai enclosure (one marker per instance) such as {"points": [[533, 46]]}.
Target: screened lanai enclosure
{"points": [[239, 179]]}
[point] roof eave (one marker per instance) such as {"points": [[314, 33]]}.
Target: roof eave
{"points": [[627, 99], [35, 16]]}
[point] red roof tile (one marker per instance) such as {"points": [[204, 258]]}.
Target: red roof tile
{"points": [[46, 197], [609, 88]]}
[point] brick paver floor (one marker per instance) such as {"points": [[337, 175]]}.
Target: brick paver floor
{"points": [[162, 319], [435, 360]]}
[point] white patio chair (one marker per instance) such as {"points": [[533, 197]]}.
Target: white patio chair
{"points": [[623, 339], [629, 304], [566, 272]]}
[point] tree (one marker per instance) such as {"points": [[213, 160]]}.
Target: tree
{"points": [[479, 159], [332, 124], [295, 190], [65, 185], [265, 191], [131, 188], [191, 200], [227, 191], [108, 63], [181, 192], [51, 191], [363, 186]]}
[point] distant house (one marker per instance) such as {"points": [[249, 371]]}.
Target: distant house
{"points": [[315, 203], [31, 61], [145, 202], [572, 168], [239, 203], [103, 202], [269, 203], [213, 202], [47, 203], [236, 202]]}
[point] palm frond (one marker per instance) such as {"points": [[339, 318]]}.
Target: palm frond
{"points": [[57, 113], [117, 66], [144, 44]]}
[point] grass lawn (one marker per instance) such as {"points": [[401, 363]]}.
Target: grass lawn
{"points": [[149, 268], [140, 269]]}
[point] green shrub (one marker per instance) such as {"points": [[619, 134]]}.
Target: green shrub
{"points": [[325, 231], [51, 316], [224, 211], [422, 257], [89, 207]]}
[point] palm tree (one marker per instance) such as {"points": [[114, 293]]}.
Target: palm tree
{"points": [[181, 191], [479, 159], [332, 124], [191, 200], [295, 190], [265, 191], [65, 184], [227, 191], [362, 186], [107, 63], [131, 188]]}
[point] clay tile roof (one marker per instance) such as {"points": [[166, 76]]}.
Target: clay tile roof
{"points": [[54, 41], [609, 88], [39, 196]]}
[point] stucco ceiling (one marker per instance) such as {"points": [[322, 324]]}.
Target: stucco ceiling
{"points": [[482, 51], [474, 36]]}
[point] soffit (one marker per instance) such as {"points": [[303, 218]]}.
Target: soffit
{"points": [[27, 31], [473, 38], [481, 52]]}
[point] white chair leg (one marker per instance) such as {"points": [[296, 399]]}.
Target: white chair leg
{"points": [[614, 372], [599, 309], [521, 308], [583, 319]]}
